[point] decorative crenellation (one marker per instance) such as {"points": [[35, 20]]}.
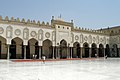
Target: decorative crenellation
{"points": [[89, 30], [12, 19], [23, 21], [18, 20], [29, 22], [38, 23], [6, 18]]}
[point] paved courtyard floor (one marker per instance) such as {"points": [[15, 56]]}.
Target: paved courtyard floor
{"points": [[89, 69]]}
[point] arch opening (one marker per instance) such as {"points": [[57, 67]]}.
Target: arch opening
{"points": [[76, 50], [101, 50], [3, 49], [16, 50], [107, 50], [115, 52], [63, 49], [47, 49], [94, 50], [32, 49], [13, 50], [86, 50]]}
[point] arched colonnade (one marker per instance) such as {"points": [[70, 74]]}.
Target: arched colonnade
{"points": [[16, 50]]}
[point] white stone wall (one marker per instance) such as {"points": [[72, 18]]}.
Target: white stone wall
{"points": [[63, 33], [18, 31], [60, 34], [90, 38]]}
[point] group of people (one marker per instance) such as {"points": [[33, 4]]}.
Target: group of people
{"points": [[105, 56], [43, 57]]}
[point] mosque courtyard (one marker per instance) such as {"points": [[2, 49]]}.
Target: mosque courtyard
{"points": [[81, 69]]}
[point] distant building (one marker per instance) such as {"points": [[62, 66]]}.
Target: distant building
{"points": [[20, 39]]}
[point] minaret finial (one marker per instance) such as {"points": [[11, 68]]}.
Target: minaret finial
{"points": [[60, 16], [52, 17]]}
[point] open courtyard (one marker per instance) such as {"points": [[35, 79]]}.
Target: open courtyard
{"points": [[81, 69]]}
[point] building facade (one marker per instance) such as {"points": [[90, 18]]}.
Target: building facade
{"points": [[20, 39]]}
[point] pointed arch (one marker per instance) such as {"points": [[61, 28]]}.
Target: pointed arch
{"points": [[13, 49], [47, 48], [94, 50], [63, 49], [107, 50], [86, 50], [115, 51], [16, 48], [32, 48], [101, 50], [76, 50], [3, 50]]}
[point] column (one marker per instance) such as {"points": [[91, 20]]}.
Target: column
{"points": [[104, 52], [71, 53], [67, 52], [56, 52], [53, 52], [24, 51], [39, 52], [90, 49], [118, 52], [97, 52], [8, 52], [81, 52]]}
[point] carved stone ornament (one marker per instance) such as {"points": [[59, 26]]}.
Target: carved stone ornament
{"points": [[97, 39], [94, 39], [17, 32], [26, 34], [53, 36], [90, 39], [1, 30], [47, 34], [101, 40], [40, 31], [9, 30], [81, 38], [76, 37], [105, 40], [115, 39], [33, 34], [85, 38], [40, 34], [111, 39], [72, 37]]}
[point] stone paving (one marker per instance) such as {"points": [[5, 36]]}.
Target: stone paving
{"points": [[82, 69]]}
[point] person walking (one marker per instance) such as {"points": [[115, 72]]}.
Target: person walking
{"points": [[43, 57], [106, 57]]}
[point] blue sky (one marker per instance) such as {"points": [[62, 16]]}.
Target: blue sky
{"points": [[92, 14]]}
